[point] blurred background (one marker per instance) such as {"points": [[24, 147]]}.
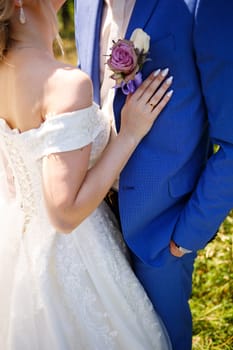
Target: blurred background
{"points": [[66, 26], [212, 297]]}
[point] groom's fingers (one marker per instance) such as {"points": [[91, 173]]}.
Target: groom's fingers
{"points": [[174, 250]]}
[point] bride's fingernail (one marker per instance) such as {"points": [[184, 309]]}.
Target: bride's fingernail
{"points": [[169, 94], [169, 80], [164, 72], [156, 72]]}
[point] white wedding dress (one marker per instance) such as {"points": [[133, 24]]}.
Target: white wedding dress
{"points": [[64, 291]]}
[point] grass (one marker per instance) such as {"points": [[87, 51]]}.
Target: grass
{"points": [[212, 297]]}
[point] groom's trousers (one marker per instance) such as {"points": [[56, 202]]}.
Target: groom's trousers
{"points": [[169, 288]]}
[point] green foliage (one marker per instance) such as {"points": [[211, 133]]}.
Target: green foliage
{"points": [[212, 299], [66, 19], [66, 28]]}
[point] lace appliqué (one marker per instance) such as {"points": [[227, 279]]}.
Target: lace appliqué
{"points": [[74, 130], [103, 262]]}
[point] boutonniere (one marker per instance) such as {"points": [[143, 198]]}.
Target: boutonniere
{"points": [[126, 60]]}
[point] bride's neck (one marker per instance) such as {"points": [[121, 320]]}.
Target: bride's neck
{"points": [[37, 32]]}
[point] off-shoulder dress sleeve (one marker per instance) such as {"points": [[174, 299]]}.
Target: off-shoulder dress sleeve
{"points": [[68, 131]]}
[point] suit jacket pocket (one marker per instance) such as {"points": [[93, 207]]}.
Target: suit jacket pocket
{"points": [[164, 41], [161, 53]]}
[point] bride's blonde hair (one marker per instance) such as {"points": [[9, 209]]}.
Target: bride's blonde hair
{"points": [[6, 11], [48, 8]]}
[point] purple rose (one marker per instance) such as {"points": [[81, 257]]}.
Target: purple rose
{"points": [[123, 58], [126, 61]]}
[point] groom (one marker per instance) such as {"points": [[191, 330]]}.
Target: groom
{"points": [[175, 191]]}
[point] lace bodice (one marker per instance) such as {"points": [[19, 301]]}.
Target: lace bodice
{"points": [[23, 152]]}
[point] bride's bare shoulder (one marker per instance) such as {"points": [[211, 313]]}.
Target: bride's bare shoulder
{"points": [[67, 89]]}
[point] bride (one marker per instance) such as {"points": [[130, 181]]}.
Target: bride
{"points": [[65, 279]]}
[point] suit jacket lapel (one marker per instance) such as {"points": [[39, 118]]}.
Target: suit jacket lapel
{"points": [[141, 14]]}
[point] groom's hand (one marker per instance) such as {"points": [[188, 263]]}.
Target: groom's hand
{"points": [[174, 250]]}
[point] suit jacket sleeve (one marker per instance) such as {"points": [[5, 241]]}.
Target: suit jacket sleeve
{"points": [[213, 196]]}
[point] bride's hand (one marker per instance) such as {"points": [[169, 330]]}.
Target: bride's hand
{"points": [[144, 106]]}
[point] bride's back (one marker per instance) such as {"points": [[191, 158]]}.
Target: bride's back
{"points": [[34, 84]]}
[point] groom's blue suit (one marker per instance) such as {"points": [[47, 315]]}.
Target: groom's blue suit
{"points": [[174, 186]]}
